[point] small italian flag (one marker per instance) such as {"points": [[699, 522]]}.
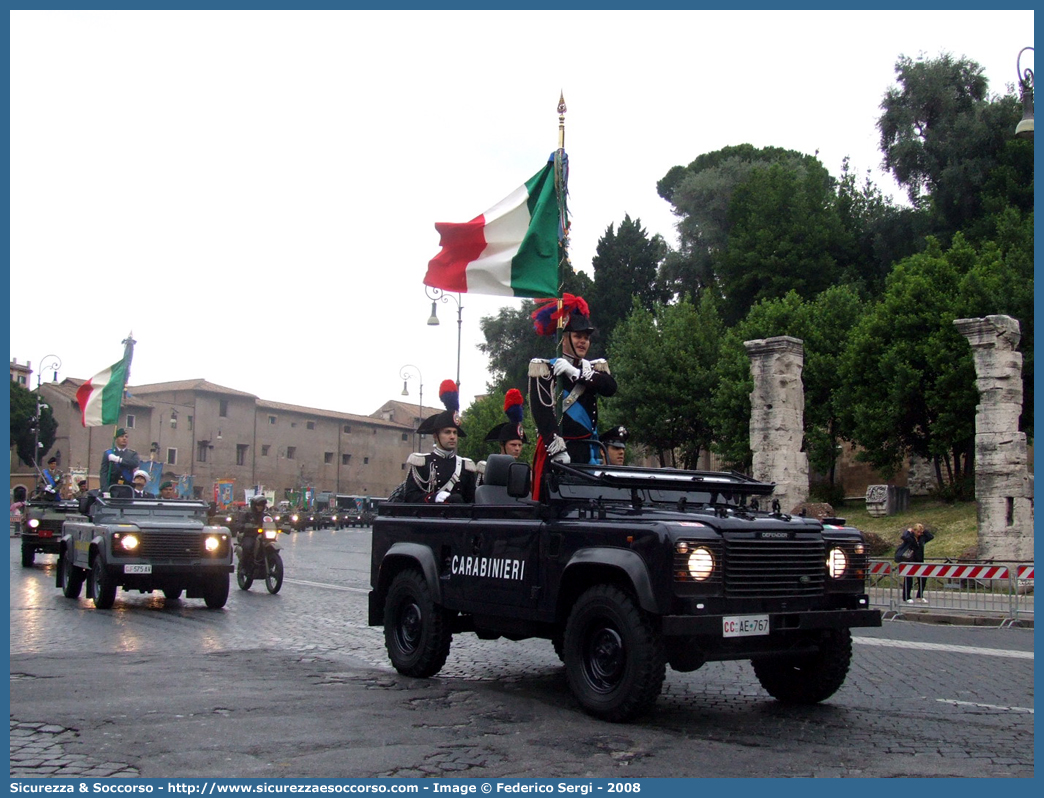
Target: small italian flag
{"points": [[510, 250], [101, 396]]}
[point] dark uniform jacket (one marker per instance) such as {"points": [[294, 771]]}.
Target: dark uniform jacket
{"points": [[422, 487], [111, 473], [579, 422]]}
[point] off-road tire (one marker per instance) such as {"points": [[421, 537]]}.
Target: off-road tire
{"points": [[72, 577], [172, 594], [103, 587], [244, 574], [811, 678], [416, 630], [215, 591], [273, 571], [28, 556], [613, 654]]}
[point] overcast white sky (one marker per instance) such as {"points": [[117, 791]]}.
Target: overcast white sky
{"points": [[254, 193]]}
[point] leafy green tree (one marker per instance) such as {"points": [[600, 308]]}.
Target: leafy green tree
{"points": [[24, 425], [942, 136], [510, 344], [664, 361], [626, 265], [907, 380]]}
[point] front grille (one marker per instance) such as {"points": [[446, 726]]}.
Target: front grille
{"points": [[169, 546], [774, 568]]}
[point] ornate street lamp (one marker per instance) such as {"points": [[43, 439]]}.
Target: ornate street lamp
{"points": [[1024, 130], [404, 373], [49, 362], [438, 295]]}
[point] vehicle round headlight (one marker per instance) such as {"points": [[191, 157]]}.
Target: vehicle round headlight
{"points": [[701, 563], [836, 563], [271, 534], [34, 523], [211, 543], [293, 518], [129, 542]]}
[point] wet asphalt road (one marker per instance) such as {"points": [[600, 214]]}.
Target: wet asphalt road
{"points": [[298, 685]]}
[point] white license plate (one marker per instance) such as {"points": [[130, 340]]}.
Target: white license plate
{"points": [[137, 569], [744, 625]]}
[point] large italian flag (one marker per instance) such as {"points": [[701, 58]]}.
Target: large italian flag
{"points": [[101, 396], [510, 250]]}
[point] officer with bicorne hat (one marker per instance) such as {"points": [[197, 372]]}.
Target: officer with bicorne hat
{"points": [[581, 381], [441, 475], [510, 434]]}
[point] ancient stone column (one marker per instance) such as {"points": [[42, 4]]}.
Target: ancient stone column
{"points": [[1003, 484], [777, 417]]}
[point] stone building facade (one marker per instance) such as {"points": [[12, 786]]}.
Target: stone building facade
{"points": [[209, 433]]}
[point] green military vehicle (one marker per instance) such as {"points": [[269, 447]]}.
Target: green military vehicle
{"points": [[42, 521]]}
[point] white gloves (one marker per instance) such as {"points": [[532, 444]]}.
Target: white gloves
{"points": [[586, 372], [115, 458], [441, 496], [563, 366], [561, 457]]}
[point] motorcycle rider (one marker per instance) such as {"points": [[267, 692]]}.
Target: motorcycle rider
{"points": [[250, 520]]}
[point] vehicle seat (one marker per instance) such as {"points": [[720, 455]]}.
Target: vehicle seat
{"points": [[493, 489], [121, 492]]}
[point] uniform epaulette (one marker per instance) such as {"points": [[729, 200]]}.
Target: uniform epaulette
{"points": [[600, 365], [480, 466], [417, 459], [538, 367], [469, 464]]}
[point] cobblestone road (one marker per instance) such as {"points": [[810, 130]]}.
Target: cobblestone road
{"points": [[920, 700]]}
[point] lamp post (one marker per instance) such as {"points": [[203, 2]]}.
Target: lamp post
{"points": [[49, 362], [405, 374], [1024, 130], [438, 295], [40, 407]]}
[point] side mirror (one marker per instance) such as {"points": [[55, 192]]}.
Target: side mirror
{"points": [[519, 481]]}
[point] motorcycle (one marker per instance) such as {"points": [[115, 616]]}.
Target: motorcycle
{"points": [[264, 562]]}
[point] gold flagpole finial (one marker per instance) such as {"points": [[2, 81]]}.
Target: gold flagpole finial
{"points": [[561, 120]]}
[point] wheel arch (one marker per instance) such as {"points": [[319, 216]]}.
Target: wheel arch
{"points": [[620, 567], [402, 556]]}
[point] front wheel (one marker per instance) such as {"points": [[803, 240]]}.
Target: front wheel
{"points": [[103, 587], [273, 571], [28, 556], [244, 574], [72, 577], [215, 591], [172, 594], [613, 654], [416, 632], [810, 678]]}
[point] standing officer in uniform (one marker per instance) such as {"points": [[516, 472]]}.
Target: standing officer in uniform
{"points": [[442, 475], [118, 463], [581, 380], [615, 441]]}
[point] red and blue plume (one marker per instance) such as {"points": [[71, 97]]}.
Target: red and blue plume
{"points": [[513, 405], [545, 317], [449, 396]]}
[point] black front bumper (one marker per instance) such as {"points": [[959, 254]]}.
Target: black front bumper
{"points": [[812, 620]]}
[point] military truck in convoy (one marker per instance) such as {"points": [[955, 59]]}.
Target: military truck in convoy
{"points": [[625, 570], [144, 545], [42, 520]]}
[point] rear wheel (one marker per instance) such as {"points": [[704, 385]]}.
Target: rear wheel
{"points": [[244, 574], [613, 654], [811, 678], [103, 587], [416, 632], [215, 591], [273, 571], [72, 577], [172, 594], [28, 556]]}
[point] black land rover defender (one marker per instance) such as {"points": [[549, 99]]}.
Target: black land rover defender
{"points": [[42, 521], [625, 570], [144, 545]]}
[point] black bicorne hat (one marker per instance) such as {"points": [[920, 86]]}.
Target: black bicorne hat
{"points": [[617, 436], [450, 417], [510, 430]]}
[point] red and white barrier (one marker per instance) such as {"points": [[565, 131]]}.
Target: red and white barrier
{"points": [[954, 571], [1025, 572]]}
